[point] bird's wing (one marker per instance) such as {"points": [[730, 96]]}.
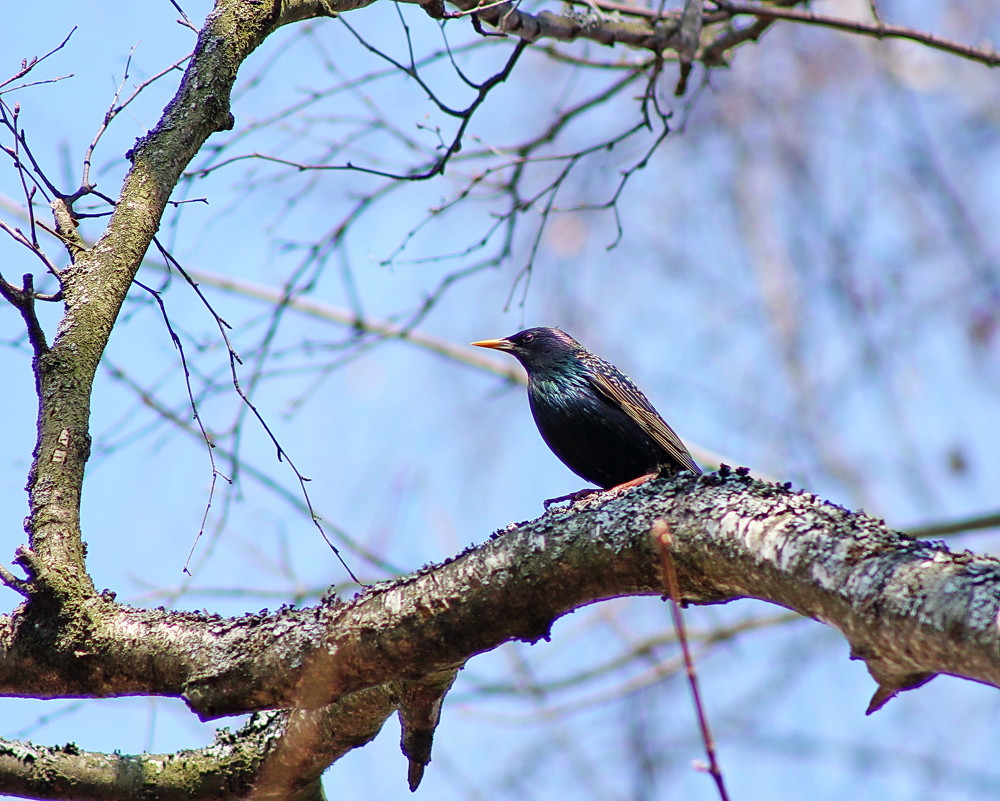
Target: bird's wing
{"points": [[629, 399]]}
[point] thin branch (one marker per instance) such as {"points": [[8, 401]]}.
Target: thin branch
{"points": [[114, 109], [648, 649], [19, 586], [24, 301], [877, 30], [713, 54], [185, 20], [195, 414], [171, 416], [664, 541], [472, 11], [234, 360], [465, 115], [975, 523], [27, 65], [9, 117], [18, 236]]}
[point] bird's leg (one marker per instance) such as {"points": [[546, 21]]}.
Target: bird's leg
{"points": [[635, 482], [579, 495], [573, 497]]}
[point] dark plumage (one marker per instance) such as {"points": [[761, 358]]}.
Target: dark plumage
{"points": [[590, 414]]}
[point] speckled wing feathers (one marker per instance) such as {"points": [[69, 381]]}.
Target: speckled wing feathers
{"points": [[625, 395]]}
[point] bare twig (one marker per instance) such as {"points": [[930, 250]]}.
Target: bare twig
{"points": [[24, 301], [440, 162], [473, 11], [664, 539], [877, 30], [465, 115], [18, 236], [147, 398], [27, 65], [9, 118], [234, 360], [114, 109], [550, 190], [959, 526], [648, 650], [195, 414], [185, 20], [19, 586]]}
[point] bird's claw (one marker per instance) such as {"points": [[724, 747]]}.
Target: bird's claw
{"points": [[573, 497], [610, 492]]}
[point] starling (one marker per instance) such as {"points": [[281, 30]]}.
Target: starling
{"points": [[590, 414]]}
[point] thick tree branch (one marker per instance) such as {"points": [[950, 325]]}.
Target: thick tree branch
{"points": [[277, 755], [909, 609]]}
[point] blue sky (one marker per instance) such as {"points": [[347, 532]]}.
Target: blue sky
{"points": [[806, 284]]}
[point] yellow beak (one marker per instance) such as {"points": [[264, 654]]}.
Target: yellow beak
{"points": [[496, 344]]}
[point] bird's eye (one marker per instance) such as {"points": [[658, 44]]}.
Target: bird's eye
{"points": [[527, 338]]}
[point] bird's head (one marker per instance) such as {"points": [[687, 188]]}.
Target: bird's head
{"points": [[536, 348]]}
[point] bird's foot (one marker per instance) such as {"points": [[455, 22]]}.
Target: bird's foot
{"points": [[573, 497], [610, 492], [635, 482]]}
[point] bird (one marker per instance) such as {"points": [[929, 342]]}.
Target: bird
{"points": [[591, 415]]}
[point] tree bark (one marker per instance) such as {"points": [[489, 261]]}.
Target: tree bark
{"points": [[910, 609]]}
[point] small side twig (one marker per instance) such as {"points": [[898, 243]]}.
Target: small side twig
{"points": [[473, 12], [20, 586], [18, 236], [27, 65], [114, 109], [9, 119], [23, 300], [196, 414], [664, 539], [234, 360], [958, 526], [688, 39], [877, 29], [464, 115], [185, 20]]}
